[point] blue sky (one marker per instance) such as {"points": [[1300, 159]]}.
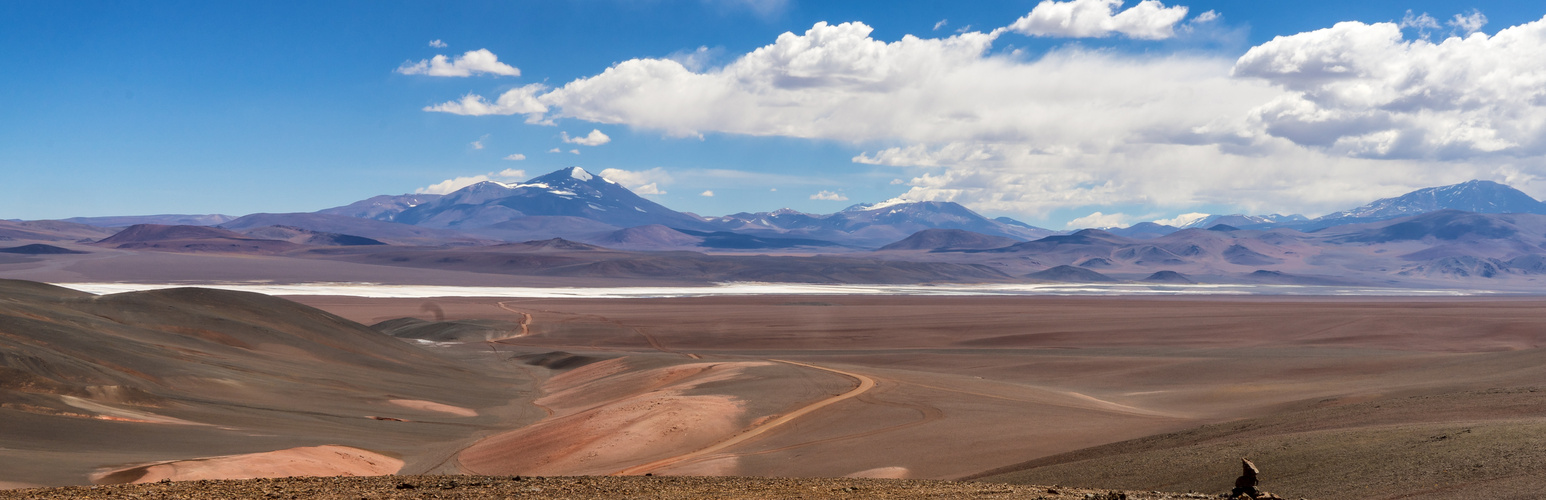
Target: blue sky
{"points": [[226, 107]]}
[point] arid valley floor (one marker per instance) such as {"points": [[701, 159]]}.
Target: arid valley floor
{"points": [[1333, 397]]}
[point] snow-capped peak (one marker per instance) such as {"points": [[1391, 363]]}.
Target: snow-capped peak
{"points": [[580, 173]]}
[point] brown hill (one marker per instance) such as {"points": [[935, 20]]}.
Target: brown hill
{"points": [[1465, 444], [650, 237], [388, 232], [192, 239], [91, 383], [49, 230], [1071, 274], [940, 240], [308, 237]]}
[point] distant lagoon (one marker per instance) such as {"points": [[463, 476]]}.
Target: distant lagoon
{"points": [[376, 290]]}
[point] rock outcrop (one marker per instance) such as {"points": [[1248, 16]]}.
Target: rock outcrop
{"points": [[1246, 484]]}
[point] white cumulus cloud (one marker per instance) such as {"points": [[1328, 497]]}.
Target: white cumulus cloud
{"points": [[1362, 90], [1308, 123], [1100, 221], [521, 100], [451, 185], [639, 181], [595, 138], [829, 196], [835, 82], [470, 63], [436, 43], [707, 193], [516, 157], [1148, 20]]}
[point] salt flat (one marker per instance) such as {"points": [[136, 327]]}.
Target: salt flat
{"points": [[377, 290]]}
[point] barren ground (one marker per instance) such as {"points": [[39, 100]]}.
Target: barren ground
{"points": [[1332, 397]]}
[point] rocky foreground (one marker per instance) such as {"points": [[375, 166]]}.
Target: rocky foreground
{"points": [[514, 487]]}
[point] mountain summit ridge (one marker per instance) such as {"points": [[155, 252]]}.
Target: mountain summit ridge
{"points": [[1479, 196]]}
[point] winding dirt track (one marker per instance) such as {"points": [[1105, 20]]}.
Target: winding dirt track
{"points": [[525, 319], [865, 384]]}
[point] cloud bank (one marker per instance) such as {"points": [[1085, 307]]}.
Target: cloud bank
{"points": [[1303, 123]]}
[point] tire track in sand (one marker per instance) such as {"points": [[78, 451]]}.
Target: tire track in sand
{"points": [[865, 384]]}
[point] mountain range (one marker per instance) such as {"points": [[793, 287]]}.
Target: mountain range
{"points": [[571, 224], [1477, 196], [574, 204]]}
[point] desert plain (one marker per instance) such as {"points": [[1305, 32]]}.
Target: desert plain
{"points": [[1333, 397]]}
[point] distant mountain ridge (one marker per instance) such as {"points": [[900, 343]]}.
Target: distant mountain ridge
{"points": [[163, 219], [878, 224], [384, 207], [575, 204], [1483, 197], [1478, 196]]}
